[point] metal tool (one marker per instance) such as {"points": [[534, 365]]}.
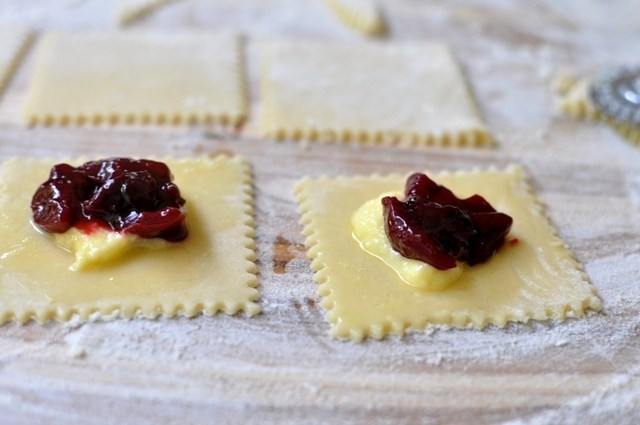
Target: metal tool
{"points": [[616, 94]]}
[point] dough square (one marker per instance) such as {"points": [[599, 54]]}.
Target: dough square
{"points": [[535, 278], [136, 77], [212, 270], [15, 42], [409, 93]]}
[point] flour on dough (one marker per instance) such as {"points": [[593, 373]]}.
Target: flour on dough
{"points": [[137, 77], [409, 93], [536, 278], [212, 270]]}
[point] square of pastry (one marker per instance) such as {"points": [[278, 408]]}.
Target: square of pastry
{"points": [[212, 270], [388, 93], [134, 77], [535, 278], [14, 43]]}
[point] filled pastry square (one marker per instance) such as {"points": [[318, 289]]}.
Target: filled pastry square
{"points": [[409, 94], [212, 270], [534, 276], [134, 77]]}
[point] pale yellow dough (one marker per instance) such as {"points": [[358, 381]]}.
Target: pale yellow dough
{"points": [[572, 98], [537, 278], [409, 93], [134, 77], [361, 15], [13, 46], [212, 270]]}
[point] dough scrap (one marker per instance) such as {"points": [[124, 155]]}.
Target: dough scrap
{"points": [[360, 15], [572, 98], [135, 77], [411, 94], [536, 278], [212, 270], [130, 11], [15, 43]]}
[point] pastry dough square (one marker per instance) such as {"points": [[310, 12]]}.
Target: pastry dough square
{"points": [[15, 42], [135, 77], [212, 270], [536, 278], [411, 94]]}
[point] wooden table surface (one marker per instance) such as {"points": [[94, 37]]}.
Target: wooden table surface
{"points": [[280, 366]]}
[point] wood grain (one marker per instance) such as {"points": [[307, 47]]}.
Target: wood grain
{"points": [[281, 367]]}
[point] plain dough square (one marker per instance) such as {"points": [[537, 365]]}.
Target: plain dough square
{"points": [[388, 93], [137, 77], [535, 278], [14, 44], [212, 270]]}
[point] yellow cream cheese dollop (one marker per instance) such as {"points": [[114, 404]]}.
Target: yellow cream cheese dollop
{"points": [[101, 246], [367, 224]]}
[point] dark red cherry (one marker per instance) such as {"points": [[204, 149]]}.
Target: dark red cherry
{"points": [[435, 226], [410, 239], [54, 206], [151, 224]]}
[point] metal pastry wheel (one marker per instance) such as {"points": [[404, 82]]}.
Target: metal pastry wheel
{"points": [[616, 94]]}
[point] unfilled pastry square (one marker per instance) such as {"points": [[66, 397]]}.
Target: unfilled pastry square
{"points": [[14, 43], [535, 278], [134, 77], [212, 270], [406, 93]]}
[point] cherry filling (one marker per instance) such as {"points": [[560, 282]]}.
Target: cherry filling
{"points": [[119, 194], [434, 226]]}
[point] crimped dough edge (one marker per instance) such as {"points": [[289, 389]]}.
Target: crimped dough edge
{"points": [[26, 40], [379, 330], [474, 137], [155, 310]]}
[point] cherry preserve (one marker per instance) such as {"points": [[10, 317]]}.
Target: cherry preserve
{"points": [[434, 226], [118, 194]]}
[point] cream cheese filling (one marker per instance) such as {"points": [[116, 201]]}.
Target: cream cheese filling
{"points": [[102, 246], [367, 225]]}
